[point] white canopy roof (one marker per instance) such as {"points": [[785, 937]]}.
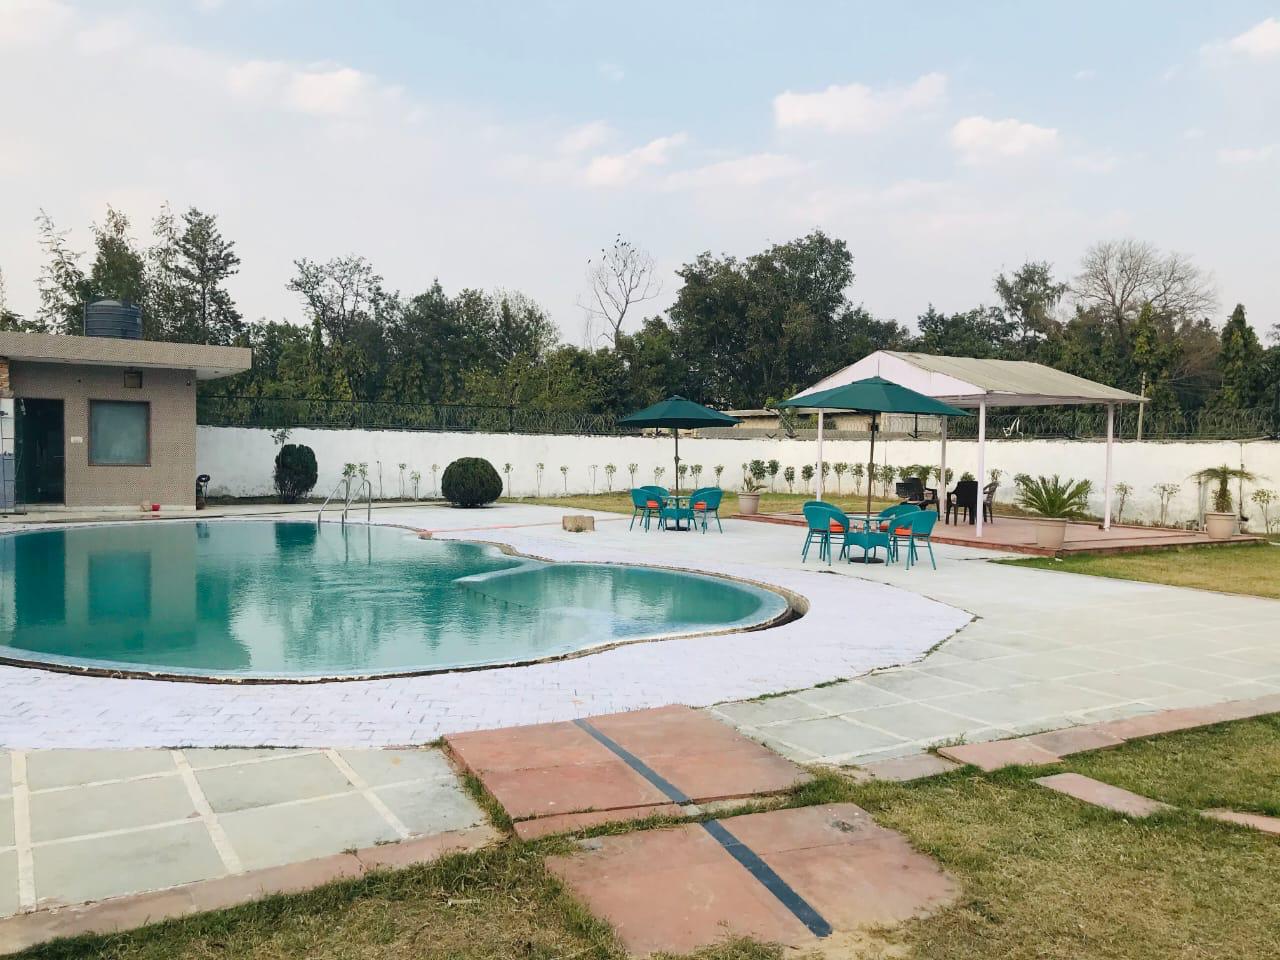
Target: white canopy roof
{"points": [[964, 381]]}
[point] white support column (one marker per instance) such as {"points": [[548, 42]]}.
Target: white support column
{"points": [[1106, 482], [982, 464], [817, 477], [942, 470]]}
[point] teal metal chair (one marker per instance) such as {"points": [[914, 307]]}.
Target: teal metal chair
{"points": [[643, 506], [823, 520], [884, 519], [705, 503], [870, 538], [677, 513], [914, 528]]}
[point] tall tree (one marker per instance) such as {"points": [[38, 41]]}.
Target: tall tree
{"points": [[118, 271], [205, 260], [1118, 276], [62, 281], [622, 276], [1030, 296], [981, 332], [1242, 363], [9, 320]]}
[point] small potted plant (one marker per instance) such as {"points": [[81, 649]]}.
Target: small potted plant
{"points": [[1055, 501], [753, 475], [1220, 522]]}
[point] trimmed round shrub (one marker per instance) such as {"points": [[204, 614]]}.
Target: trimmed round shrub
{"points": [[470, 482], [296, 471]]}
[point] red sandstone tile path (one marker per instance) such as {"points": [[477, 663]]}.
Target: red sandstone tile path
{"points": [[1256, 821], [561, 769], [1104, 795], [679, 889]]}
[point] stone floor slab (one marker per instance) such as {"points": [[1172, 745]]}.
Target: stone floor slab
{"points": [[997, 754], [674, 890], [77, 870], [1255, 821], [545, 791], [6, 773], [755, 713], [9, 902], [571, 822], [1103, 795], [271, 836], [6, 822], [76, 811], [63, 768], [246, 785], [915, 767], [431, 806], [378, 768], [832, 736], [200, 759], [1074, 740]]}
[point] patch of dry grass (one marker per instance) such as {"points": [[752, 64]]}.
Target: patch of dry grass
{"points": [[1252, 570]]}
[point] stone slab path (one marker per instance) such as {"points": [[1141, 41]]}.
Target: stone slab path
{"points": [[81, 826], [787, 876], [564, 776]]}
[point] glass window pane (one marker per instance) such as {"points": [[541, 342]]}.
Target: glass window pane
{"points": [[118, 433]]}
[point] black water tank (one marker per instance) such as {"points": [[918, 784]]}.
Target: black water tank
{"points": [[113, 318]]}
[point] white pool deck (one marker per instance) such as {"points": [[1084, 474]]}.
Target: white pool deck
{"points": [[1018, 650], [972, 650]]}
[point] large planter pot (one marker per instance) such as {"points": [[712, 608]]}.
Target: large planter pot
{"points": [[1220, 526], [1050, 532], [748, 504]]}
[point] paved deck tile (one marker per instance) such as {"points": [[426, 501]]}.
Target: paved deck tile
{"points": [[1103, 795], [64, 768], [76, 811], [996, 754], [679, 889], [245, 785], [1257, 821], [271, 836], [570, 822], [8, 882], [1074, 740], [561, 768], [910, 768]]}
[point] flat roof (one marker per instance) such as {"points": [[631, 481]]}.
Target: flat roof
{"points": [[208, 362]]}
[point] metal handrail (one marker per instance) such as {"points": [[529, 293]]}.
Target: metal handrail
{"points": [[345, 480], [364, 483]]}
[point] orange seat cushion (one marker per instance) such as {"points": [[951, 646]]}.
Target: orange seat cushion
{"points": [[884, 526], [902, 532], [700, 505], [837, 526], [652, 504]]}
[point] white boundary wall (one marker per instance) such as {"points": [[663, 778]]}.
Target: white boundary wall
{"points": [[240, 461]]}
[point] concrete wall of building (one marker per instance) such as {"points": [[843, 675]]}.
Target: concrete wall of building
{"points": [[168, 480], [240, 461]]}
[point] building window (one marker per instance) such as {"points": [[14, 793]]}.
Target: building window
{"points": [[133, 379], [119, 433]]}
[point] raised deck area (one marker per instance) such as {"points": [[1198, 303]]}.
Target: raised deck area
{"points": [[1018, 535]]}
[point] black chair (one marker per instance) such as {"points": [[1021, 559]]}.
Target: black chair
{"points": [[988, 502], [910, 490], [963, 497]]}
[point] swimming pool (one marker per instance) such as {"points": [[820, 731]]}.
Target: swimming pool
{"points": [[288, 600]]}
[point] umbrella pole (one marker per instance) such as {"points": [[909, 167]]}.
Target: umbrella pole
{"points": [[676, 435], [871, 467]]}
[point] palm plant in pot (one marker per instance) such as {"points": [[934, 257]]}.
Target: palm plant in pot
{"points": [[753, 475], [1220, 522], [1055, 501]]}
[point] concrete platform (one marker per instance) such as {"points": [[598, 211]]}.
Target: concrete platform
{"points": [[787, 876]]}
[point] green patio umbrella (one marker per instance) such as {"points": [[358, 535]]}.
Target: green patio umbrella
{"points": [[678, 414], [874, 395]]}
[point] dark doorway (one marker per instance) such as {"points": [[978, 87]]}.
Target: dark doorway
{"points": [[41, 458]]}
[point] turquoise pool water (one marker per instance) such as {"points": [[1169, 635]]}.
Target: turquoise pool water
{"points": [[254, 599]]}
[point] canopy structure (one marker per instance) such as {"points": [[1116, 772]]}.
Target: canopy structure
{"points": [[973, 382], [874, 395], [678, 414]]}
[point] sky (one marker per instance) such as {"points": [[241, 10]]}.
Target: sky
{"points": [[501, 145]]}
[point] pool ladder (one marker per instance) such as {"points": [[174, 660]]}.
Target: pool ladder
{"points": [[352, 496]]}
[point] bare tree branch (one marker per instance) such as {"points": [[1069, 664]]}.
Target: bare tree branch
{"points": [[621, 277], [1117, 277]]}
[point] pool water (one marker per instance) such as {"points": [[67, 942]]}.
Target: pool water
{"points": [[254, 599]]}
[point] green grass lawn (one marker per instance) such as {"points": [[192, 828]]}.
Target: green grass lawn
{"points": [[1042, 876], [620, 502], [1253, 570]]}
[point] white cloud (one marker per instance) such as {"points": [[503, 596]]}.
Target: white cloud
{"points": [[611, 71], [1247, 156], [983, 140], [748, 171], [857, 108], [611, 170], [322, 91], [105, 36], [31, 21], [588, 136], [1261, 40], [1095, 162], [1193, 133], [1088, 73]]}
